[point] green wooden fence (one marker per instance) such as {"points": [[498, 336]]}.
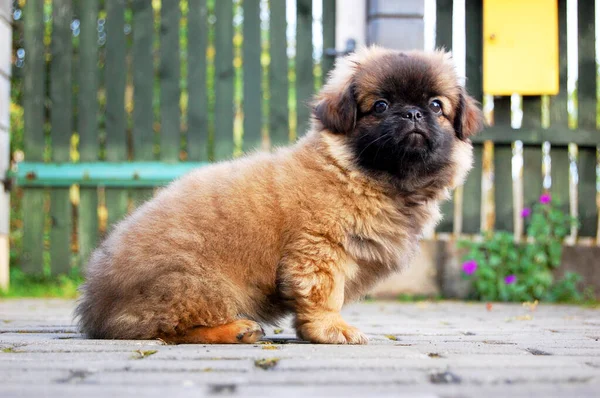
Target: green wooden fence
{"points": [[553, 150], [126, 95], [122, 96]]}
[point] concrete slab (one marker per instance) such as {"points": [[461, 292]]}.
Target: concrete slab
{"points": [[425, 349]]}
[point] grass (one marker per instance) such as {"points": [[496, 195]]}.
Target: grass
{"points": [[411, 298], [591, 303], [48, 286]]}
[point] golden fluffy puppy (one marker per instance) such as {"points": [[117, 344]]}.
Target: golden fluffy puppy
{"points": [[302, 230]]}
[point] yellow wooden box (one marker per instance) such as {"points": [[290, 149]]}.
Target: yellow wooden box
{"points": [[520, 47]]}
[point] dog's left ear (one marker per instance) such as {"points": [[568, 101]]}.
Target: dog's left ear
{"points": [[468, 118], [337, 110]]}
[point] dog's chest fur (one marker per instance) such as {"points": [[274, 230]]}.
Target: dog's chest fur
{"points": [[385, 242]]}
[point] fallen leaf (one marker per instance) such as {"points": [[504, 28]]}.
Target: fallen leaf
{"points": [[391, 337], [530, 305], [526, 317], [139, 354], [489, 306], [266, 363], [277, 331]]}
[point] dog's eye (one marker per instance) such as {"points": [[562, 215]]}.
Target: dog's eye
{"points": [[436, 107], [380, 106]]}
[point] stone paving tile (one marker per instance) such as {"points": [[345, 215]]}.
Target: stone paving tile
{"points": [[427, 349], [82, 364], [576, 375], [300, 351], [260, 377], [45, 376], [54, 357], [33, 337], [77, 348], [314, 391]]}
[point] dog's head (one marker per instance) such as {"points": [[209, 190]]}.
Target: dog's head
{"points": [[403, 114]]}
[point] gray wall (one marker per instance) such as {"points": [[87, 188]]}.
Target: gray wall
{"points": [[396, 24]]}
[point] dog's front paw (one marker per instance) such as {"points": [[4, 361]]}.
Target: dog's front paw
{"points": [[331, 332]]}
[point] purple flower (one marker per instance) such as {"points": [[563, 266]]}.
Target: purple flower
{"points": [[545, 199], [526, 212], [510, 279], [469, 267]]}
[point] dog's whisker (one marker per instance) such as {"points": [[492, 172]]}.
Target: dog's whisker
{"points": [[382, 144], [372, 142]]}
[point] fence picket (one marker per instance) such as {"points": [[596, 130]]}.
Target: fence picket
{"points": [[558, 116], [252, 76], [169, 75], [143, 78], [443, 24], [224, 73], [586, 91], [33, 103], [197, 133], [115, 72], [471, 222], [87, 124], [304, 65], [328, 36], [503, 186], [61, 119], [443, 37], [278, 75], [532, 154]]}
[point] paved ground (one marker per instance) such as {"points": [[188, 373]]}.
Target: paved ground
{"points": [[416, 350]]}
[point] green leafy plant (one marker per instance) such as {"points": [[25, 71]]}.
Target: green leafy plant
{"points": [[502, 269]]}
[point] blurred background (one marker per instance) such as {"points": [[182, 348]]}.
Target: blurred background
{"points": [[103, 101]]}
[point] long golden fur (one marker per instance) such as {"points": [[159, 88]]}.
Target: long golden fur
{"points": [[302, 230]]}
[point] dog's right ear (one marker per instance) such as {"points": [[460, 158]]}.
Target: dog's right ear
{"points": [[336, 110], [469, 118]]}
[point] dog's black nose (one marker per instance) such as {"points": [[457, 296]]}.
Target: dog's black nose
{"points": [[412, 114]]}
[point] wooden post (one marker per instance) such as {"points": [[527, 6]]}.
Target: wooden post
{"points": [[5, 65], [350, 22]]}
